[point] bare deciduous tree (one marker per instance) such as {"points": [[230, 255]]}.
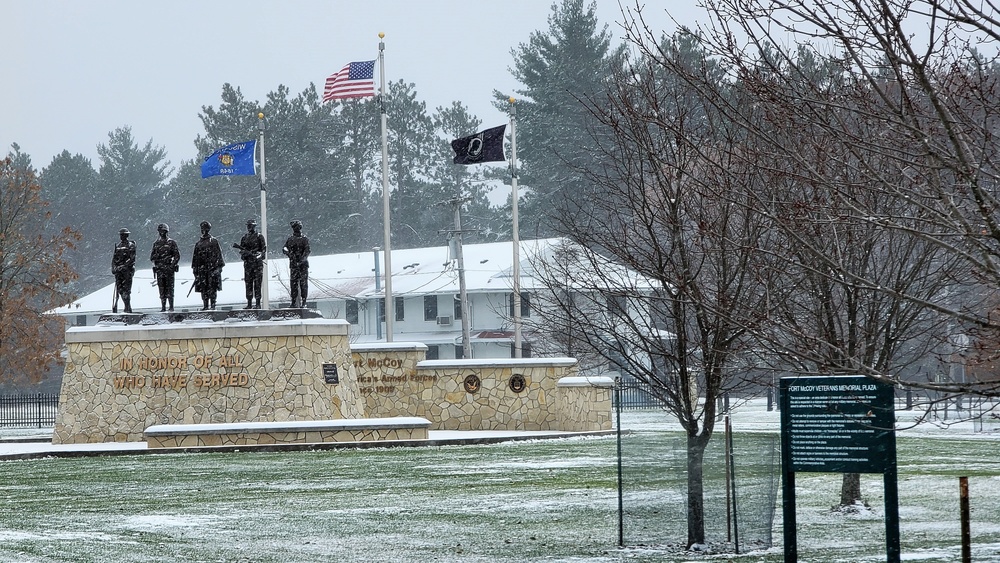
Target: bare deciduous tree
{"points": [[909, 100], [672, 249]]}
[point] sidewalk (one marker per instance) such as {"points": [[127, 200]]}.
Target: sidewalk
{"points": [[751, 416], [38, 445]]}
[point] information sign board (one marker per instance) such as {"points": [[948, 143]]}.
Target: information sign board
{"points": [[839, 424]]}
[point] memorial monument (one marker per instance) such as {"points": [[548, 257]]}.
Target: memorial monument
{"points": [[259, 376]]}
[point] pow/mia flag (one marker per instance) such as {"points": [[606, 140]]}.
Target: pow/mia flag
{"points": [[485, 146]]}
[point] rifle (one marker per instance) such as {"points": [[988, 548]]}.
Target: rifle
{"points": [[114, 302], [194, 282], [256, 254]]}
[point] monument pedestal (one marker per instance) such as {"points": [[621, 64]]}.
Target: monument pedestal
{"points": [[204, 368]]}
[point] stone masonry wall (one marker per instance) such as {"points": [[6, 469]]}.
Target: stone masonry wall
{"points": [[489, 394], [120, 380]]}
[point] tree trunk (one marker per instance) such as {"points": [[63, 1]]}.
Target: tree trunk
{"points": [[696, 490], [850, 489]]}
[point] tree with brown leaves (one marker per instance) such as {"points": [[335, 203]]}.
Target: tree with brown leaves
{"points": [[33, 276]]}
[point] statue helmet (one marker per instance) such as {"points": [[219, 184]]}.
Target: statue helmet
{"points": [[123, 232], [163, 227], [206, 225], [296, 223], [252, 222]]}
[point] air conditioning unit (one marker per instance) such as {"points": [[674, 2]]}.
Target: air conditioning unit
{"points": [[444, 321]]}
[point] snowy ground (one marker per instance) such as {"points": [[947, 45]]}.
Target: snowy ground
{"points": [[552, 500]]}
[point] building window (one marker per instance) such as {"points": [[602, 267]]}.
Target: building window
{"points": [[458, 308], [432, 352], [398, 309], [351, 311], [459, 352], [430, 307], [525, 350], [525, 304], [381, 310]]}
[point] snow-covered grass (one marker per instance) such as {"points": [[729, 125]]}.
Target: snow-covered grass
{"points": [[552, 500]]}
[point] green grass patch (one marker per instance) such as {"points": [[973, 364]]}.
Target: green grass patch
{"points": [[551, 500]]}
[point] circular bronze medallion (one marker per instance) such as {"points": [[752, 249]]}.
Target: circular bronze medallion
{"points": [[517, 383], [472, 383]]}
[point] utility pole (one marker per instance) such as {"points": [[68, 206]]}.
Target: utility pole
{"points": [[463, 296]]}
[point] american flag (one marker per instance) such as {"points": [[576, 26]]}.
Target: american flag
{"points": [[353, 81]]}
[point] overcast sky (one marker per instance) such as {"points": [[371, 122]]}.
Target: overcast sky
{"points": [[72, 71]]}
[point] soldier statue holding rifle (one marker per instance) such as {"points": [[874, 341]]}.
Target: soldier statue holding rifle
{"points": [[165, 257], [297, 249], [206, 264], [252, 248], [123, 268]]}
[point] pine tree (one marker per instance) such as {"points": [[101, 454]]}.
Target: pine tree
{"points": [[563, 72], [70, 183]]}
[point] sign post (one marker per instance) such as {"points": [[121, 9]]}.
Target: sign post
{"points": [[838, 424]]}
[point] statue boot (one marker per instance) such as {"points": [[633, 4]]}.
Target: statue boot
{"points": [[163, 304], [258, 303], [250, 304], [213, 304], [204, 304], [171, 305], [128, 304]]}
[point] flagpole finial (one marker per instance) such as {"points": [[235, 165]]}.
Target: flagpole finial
{"points": [[381, 35], [512, 100], [260, 115]]}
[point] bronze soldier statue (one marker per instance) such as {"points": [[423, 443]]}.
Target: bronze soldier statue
{"points": [[297, 249], [207, 263], [252, 248], [165, 257], [123, 268]]}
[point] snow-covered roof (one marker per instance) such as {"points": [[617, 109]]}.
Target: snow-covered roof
{"points": [[415, 271]]}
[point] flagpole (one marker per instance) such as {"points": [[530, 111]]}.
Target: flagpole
{"points": [[516, 268], [264, 300], [386, 234]]}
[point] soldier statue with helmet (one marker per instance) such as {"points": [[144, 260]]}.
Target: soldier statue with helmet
{"points": [[165, 257], [123, 268], [252, 249], [297, 249], [206, 264]]}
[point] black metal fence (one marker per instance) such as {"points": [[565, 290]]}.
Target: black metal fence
{"points": [[637, 395], [28, 411]]}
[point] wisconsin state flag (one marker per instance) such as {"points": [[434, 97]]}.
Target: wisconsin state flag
{"points": [[236, 159]]}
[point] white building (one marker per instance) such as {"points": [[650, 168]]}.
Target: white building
{"points": [[425, 288]]}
